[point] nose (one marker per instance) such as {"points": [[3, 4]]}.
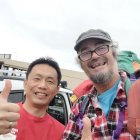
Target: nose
{"points": [[42, 84], [94, 55]]}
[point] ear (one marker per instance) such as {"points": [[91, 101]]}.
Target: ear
{"points": [[114, 53], [57, 89], [25, 84]]}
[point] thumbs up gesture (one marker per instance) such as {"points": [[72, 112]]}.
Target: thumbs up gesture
{"points": [[86, 133], [8, 111]]}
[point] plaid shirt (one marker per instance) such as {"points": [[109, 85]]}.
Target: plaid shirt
{"points": [[102, 126]]}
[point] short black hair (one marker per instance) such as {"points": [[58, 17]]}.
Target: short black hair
{"points": [[48, 61]]}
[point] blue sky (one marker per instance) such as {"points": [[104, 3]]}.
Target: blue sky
{"points": [[33, 28]]}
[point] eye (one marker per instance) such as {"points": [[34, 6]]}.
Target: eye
{"points": [[102, 48], [85, 53], [50, 82], [85, 50], [36, 78]]}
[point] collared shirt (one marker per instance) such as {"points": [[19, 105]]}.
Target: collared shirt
{"points": [[102, 126], [106, 98]]}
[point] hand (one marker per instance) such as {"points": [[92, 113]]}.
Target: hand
{"points": [[8, 111], [86, 133]]}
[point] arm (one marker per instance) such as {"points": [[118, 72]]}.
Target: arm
{"points": [[8, 111]]}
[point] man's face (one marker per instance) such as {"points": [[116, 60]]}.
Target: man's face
{"points": [[41, 85], [100, 65]]}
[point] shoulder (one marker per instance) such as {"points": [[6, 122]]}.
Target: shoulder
{"points": [[79, 101], [55, 122], [83, 88], [79, 104]]}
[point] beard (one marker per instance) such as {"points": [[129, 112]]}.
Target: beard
{"points": [[102, 78]]}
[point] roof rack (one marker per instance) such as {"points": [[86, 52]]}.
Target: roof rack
{"points": [[11, 77], [12, 74]]}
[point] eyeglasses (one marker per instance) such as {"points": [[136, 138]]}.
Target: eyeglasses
{"points": [[101, 50]]}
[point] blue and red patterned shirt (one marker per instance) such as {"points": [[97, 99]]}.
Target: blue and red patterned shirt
{"points": [[102, 127]]}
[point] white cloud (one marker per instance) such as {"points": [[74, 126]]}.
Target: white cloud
{"points": [[34, 28]]}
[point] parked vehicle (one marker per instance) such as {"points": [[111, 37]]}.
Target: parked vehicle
{"points": [[59, 108]]}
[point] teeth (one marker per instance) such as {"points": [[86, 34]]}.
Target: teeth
{"points": [[40, 93], [97, 65]]}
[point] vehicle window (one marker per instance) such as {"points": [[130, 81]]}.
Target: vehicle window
{"points": [[16, 96], [57, 109]]}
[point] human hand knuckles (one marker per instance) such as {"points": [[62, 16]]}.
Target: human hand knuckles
{"points": [[4, 127], [9, 107], [9, 112], [9, 116], [5, 124]]}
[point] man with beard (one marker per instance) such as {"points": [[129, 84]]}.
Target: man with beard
{"points": [[105, 106]]}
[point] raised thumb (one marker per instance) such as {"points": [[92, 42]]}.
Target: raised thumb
{"points": [[5, 92], [86, 133]]}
